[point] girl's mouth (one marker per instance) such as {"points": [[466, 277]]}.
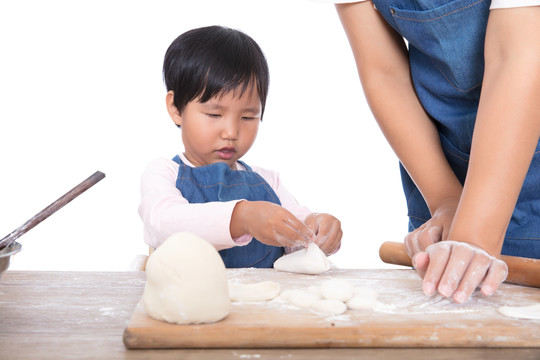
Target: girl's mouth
{"points": [[226, 153]]}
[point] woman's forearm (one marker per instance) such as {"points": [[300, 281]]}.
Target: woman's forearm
{"points": [[382, 63], [507, 128]]}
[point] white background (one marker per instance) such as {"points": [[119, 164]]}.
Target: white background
{"points": [[81, 90]]}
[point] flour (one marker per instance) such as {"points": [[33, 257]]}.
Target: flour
{"points": [[531, 312]]}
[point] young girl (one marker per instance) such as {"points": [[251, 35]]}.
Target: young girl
{"points": [[217, 81], [459, 104]]}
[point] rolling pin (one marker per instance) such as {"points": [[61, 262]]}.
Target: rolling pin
{"points": [[521, 271]]}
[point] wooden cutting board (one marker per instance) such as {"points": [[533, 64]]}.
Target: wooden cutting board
{"points": [[404, 317]]}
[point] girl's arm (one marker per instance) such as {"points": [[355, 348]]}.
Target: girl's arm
{"points": [[382, 62], [164, 211], [270, 223]]}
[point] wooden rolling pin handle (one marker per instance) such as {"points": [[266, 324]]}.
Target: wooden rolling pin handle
{"points": [[521, 271], [394, 253]]}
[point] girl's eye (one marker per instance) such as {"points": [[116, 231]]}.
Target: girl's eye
{"points": [[248, 118], [213, 115]]}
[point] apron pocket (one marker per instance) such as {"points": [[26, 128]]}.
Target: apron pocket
{"points": [[451, 35]]}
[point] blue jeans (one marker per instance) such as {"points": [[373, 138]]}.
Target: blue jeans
{"points": [[446, 54], [217, 182]]}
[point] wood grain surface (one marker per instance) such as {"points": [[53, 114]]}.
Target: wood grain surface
{"points": [[52, 315], [404, 317]]}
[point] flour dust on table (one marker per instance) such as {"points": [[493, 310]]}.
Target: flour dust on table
{"points": [[261, 291]]}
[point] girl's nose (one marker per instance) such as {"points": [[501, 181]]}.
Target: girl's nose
{"points": [[230, 129]]}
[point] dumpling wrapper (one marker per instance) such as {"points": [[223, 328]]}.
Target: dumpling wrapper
{"points": [[306, 261]]}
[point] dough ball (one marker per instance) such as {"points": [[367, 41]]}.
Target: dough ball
{"points": [[261, 291], [186, 282], [363, 299], [337, 289], [330, 307], [305, 261]]}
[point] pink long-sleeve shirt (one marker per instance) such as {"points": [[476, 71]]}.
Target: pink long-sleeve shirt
{"points": [[164, 211]]}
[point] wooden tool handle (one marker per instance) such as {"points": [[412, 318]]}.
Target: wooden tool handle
{"points": [[52, 208], [521, 271]]}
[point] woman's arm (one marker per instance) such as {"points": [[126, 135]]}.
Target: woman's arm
{"points": [[382, 62], [505, 137], [507, 128]]}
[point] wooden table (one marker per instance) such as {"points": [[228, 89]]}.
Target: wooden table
{"points": [[69, 315]]}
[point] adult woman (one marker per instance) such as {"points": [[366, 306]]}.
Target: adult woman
{"points": [[459, 104]]}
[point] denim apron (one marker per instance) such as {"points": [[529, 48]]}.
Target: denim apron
{"points": [[217, 182], [446, 54]]}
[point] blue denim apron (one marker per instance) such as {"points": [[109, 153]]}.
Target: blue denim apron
{"points": [[446, 54], [217, 182]]}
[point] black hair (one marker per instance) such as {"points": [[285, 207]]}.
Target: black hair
{"points": [[212, 61]]}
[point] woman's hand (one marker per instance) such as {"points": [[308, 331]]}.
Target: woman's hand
{"points": [[434, 230], [455, 269], [327, 230], [270, 223]]}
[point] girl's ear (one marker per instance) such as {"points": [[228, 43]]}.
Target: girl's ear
{"points": [[171, 108]]}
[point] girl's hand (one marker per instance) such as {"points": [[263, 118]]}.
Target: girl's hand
{"points": [[270, 223], [456, 269], [434, 230], [328, 231]]}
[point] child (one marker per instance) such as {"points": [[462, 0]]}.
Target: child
{"points": [[217, 81], [480, 191]]}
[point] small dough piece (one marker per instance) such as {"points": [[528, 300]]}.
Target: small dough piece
{"points": [[309, 261], [303, 299], [287, 294], [337, 289], [363, 299], [531, 312], [315, 290], [261, 291], [330, 307], [186, 282]]}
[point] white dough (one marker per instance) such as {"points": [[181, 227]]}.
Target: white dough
{"points": [[261, 291], [337, 289], [287, 294], [522, 312], [330, 307], [315, 290], [363, 299], [302, 298], [305, 261], [186, 282]]}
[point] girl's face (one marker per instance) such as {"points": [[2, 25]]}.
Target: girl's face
{"points": [[221, 129]]}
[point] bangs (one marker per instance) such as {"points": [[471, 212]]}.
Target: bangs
{"points": [[211, 62]]}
